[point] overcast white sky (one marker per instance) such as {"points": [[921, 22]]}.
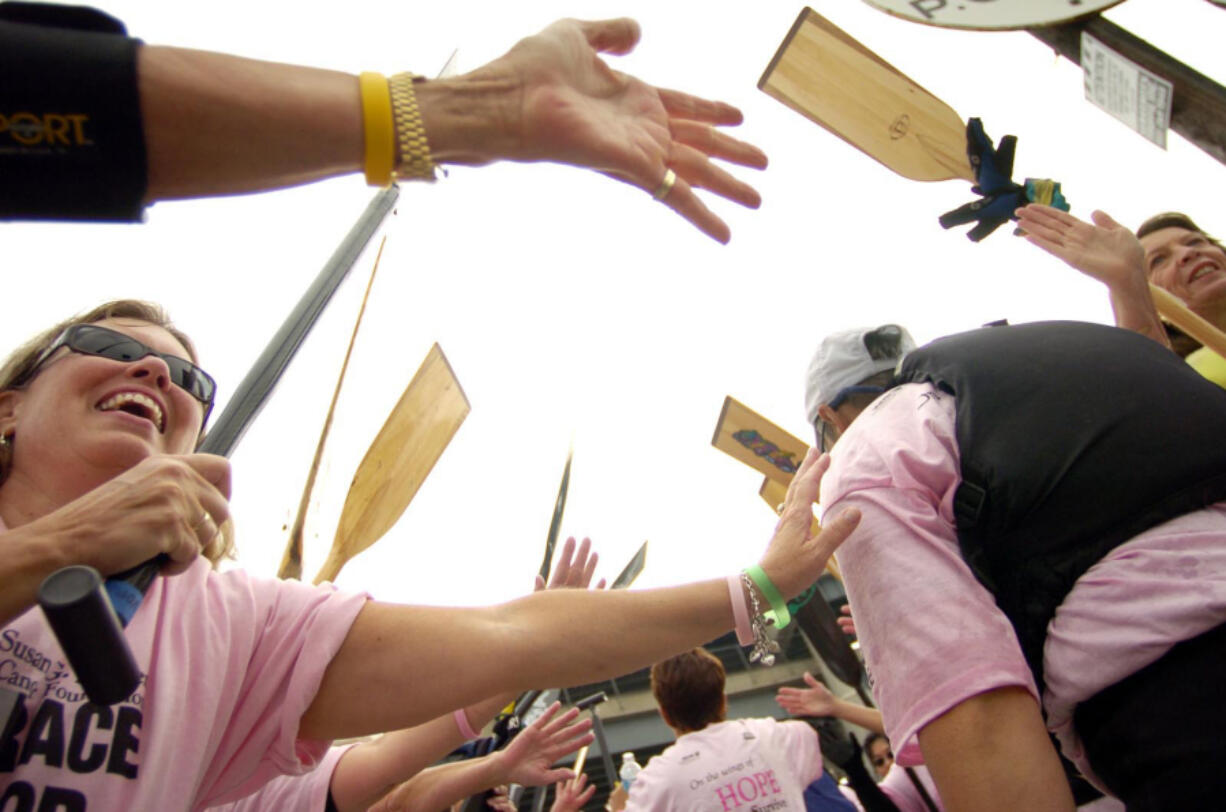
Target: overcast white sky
{"points": [[574, 307]]}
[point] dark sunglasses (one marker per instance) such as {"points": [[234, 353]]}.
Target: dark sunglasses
{"points": [[90, 339], [880, 761]]}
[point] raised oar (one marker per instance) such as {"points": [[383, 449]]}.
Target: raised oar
{"points": [[402, 455], [555, 523], [1177, 313], [827, 76], [634, 567], [745, 435], [88, 623], [749, 437], [291, 561]]}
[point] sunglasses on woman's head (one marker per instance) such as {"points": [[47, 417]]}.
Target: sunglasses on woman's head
{"points": [[91, 339]]}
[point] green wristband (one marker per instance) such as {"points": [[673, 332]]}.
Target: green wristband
{"points": [[778, 613]]}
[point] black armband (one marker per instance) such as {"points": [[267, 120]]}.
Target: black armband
{"points": [[72, 145]]}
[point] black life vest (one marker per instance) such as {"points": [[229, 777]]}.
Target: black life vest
{"points": [[1073, 439]]}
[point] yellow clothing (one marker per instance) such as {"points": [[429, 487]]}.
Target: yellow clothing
{"points": [[1209, 364]]}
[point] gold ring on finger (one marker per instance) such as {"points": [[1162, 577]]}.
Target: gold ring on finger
{"points": [[666, 185]]}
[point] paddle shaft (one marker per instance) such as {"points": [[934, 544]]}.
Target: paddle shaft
{"points": [[555, 523], [1177, 313], [105, 666], [291, 562]]}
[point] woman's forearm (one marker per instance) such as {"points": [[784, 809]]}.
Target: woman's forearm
{"points": [[29, 557], [221, 124], [1133, 308], [865, 717], [413, 662], [440, 787], [400, 665], [368, 771]]}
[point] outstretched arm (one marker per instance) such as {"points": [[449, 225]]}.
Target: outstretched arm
{"points": [[379, 678], [367, 772], [525, 761], [816, 700], [1104, 250], [219, 124]]}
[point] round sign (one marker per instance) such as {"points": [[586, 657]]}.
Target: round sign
{"points": [[991, 15]]}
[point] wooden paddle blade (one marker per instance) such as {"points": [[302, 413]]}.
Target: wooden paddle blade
{"points": [[751, 438], [773, 493], [824, 74], [411, 441], [291, 561], [820, 624], [635, 566]]}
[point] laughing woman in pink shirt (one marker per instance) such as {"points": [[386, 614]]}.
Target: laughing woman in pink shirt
{"points": [[246, 678]]}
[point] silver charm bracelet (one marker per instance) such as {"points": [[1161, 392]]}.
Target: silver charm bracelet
{"points": [[764, 648]]}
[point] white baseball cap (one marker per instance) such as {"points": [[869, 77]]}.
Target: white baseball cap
{"points": [[848, 357]]}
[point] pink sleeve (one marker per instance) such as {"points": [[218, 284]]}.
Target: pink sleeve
{"points": [[898, 788], [804, 751], [307, 793], [647, 793], [272, 641], [931, 634]]}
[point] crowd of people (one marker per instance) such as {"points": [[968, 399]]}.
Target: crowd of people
{"points": [[1028, 518]]}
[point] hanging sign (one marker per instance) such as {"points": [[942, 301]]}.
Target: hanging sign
{"points": [[1135, 96], [991, 15]]}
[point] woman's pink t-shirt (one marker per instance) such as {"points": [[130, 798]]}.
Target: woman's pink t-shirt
{"points": [[230, 664]]}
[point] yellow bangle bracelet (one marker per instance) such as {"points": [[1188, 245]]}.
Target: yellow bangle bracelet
{"points": [[413, 159], [377, 126]]}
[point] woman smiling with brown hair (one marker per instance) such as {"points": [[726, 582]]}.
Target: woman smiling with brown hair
{"points": [[246, 678]]}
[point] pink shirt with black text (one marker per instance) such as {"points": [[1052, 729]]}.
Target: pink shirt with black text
{"points": [[230, 663], [301, 793]]}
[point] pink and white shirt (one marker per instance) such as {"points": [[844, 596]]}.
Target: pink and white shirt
{"points": [[230, 663], [743, 764], [898, 787], [933, 636]]}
